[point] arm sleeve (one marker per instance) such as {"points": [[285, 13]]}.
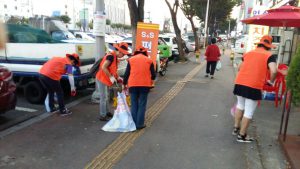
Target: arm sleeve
{"points": [[126, 74], [71, 81], [69, 69], [153, 74]]}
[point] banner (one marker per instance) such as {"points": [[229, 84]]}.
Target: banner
{"points": [[147, 36], [256, 31]]}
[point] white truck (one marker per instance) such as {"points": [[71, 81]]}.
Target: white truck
{"points": [[28, 49]]}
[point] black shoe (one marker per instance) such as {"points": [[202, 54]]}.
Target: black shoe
{"points": [[211, 77], [244, 138], [109, 114], [206, 76], [104, 118], [235, 131], [65, 112], [140, 128], [53, 110]]}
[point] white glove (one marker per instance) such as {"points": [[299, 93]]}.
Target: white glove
{"points": [[112, 79]]}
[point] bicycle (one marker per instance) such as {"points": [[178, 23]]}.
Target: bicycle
{"points": [[163, 66]]}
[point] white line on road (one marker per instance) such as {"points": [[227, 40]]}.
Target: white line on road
{"points": [[26, 109]]}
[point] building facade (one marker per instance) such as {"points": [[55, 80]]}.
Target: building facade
{"points": [[21, 8]]}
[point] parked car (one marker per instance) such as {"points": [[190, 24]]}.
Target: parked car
{"points": [[83, 36], [8, 98], [240, 45]]}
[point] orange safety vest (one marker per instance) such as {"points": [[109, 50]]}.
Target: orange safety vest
{"points": [[55, 67], [113, 70], [140, 74], [254, 68]]}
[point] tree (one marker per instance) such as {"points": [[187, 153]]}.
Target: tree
{"points": [[136, 15], [189, 12], [108, 22], [224, 25], [91, 24], [173, 11], [79, 24], [293, 78], [65, 18], [219, 10]]}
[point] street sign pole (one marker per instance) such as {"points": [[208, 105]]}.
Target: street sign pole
{"points": [[205, 27], [100, 48]]}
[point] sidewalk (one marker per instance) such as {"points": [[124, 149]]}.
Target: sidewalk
{"points": [[190, 130]]}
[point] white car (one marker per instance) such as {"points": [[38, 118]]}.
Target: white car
{"points": [[241, 44], [83, 36]]}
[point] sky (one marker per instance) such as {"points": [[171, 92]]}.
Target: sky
{"points": [[157, 9]]}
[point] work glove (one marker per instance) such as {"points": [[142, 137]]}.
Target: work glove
{"points": [[112, 79], [73, 92], [120, 80]]}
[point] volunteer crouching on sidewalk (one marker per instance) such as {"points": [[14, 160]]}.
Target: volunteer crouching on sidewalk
{"points": [[139, 76], [249, 82], [50, 75], [108, 75]]}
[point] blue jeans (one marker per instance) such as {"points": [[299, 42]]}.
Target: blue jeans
{"points": [[104, 99], [138, 107]]}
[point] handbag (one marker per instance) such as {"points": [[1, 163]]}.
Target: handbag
{"points": [[219, 65]]}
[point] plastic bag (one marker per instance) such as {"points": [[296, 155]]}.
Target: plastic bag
{"points": [[233, 109], [122, 120], [219, 65], [47, 102]]}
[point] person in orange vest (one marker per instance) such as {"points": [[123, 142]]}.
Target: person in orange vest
{"points": [[108, 75], [50, 75], [249, 82], [139, 76]]}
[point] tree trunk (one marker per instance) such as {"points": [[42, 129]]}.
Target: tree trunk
{"points": [[197, 44], [176, 28], [136, 15]]}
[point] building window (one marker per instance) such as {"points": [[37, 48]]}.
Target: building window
{"points": [[5, 6], [16, 8], [66, 13], [66, 6]]}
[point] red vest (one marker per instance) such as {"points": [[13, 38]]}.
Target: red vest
{"points": [[113, 70], [55, 67], [254, 68], [140, 74]]}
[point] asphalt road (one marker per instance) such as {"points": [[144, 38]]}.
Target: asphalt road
{"points": [[25, 110]]}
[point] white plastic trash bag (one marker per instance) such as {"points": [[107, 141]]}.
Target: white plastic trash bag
{"points": [[47, 102], [122, 120], [219, 65]]}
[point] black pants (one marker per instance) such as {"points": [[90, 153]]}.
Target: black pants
{"points": [[53, 86], [211, 67]]}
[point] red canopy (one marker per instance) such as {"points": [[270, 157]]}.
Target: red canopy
{"points": [[285, 16]]}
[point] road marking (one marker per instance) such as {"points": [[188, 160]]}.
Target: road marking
{"points": [[119, 147], [25, 109]]}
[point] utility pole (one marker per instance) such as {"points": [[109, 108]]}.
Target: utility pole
{"points": [[100, 50], [205, 27]]}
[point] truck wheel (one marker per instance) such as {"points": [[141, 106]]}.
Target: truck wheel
{"points": [[34, 92]]}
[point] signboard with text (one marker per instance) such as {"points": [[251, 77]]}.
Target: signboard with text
{"points": [[99, 24], [147, 36], [256, 31]]}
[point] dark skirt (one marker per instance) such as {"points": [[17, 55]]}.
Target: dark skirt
{"points": [[247, 92]]}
